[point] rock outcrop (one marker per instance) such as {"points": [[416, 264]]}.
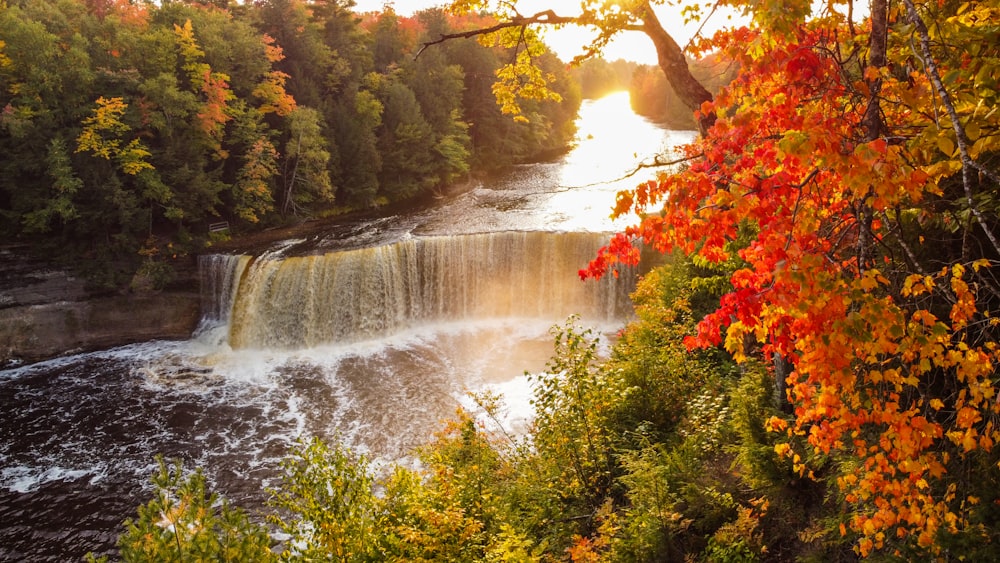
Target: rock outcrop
{"points": [[46, 312]]}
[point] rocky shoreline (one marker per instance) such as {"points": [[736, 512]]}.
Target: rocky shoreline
{"points": [[46, 312]]}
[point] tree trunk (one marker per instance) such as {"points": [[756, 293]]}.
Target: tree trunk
{"points": [[872, 121], [674, 65], [782, 368]]}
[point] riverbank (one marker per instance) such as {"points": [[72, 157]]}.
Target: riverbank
{"points": [[46, 311], [38, 332]]}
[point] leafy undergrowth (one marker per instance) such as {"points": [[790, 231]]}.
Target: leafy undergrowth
{"points": [[655, 454]]}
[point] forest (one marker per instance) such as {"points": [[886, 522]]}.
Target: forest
{"points": [[810, 377], [129, 128]]}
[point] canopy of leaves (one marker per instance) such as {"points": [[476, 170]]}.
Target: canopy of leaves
{"points": [[128, 128], [869, 182]]}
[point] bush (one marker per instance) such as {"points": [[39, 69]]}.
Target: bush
{"points": [[332, 510], [181, 523]]}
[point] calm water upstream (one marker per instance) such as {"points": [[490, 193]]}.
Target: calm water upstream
{"points": [[370, 338]]}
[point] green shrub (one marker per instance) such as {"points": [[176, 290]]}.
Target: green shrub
{"points": [[327, 505], [181, 523]]}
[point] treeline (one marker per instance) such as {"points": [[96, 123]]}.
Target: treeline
{"points": [[650, 93], [598, 77], [127, 129]]}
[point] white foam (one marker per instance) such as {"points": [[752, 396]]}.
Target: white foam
{"points": [[27, 479], [295, 414]]}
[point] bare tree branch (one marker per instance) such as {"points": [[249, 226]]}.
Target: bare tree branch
{"points": [[657, 162], [548, 17]]}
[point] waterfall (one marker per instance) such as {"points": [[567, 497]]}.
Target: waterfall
{"points": [[293, 302], [220, 278]]}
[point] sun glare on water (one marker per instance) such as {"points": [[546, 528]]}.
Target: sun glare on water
{"points": [[613, 146]]}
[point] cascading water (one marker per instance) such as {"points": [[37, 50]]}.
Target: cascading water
{"points": [[356, 295], [370, 334], [220, 276]]}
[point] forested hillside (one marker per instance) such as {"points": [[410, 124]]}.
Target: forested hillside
{"points": [[128, 128]]}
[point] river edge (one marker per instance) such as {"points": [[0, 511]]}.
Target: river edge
{"points": [[34, 333], [47, 312]]}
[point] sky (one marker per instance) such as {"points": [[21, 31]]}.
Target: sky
{"points": [[568, 42]]}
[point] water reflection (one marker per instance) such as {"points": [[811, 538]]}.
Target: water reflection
{"points": [[613, 146]]}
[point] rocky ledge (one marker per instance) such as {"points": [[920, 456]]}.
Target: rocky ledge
{"points": [[46, 312]]}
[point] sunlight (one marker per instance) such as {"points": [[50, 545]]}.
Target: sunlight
{"points": [[569, 41], [611, 142]]}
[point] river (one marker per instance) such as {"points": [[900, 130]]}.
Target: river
{"points": [[369, 333]]}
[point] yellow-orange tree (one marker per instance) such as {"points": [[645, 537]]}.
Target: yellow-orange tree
{"points": [[863, 162]]}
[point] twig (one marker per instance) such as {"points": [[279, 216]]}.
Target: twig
{"points": [[702, 26]]}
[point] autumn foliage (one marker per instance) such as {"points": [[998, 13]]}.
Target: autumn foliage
{"points": [[868, 261], [129, 128]]}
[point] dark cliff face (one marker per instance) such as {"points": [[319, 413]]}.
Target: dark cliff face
{"points": [[45, 311], [26, 280]]}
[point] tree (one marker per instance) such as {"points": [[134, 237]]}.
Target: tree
{"points": [[358, 117], [437, 85], [389, 40], [182, 522], [867, 180], [306, 160], [405, 141], [44, 93], [101, 136], [252, 192], [271, 90], [608, 19]]}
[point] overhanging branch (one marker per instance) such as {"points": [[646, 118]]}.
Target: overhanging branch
{"points": [[548, 17]]}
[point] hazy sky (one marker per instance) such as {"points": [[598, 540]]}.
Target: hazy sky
{"points": [[568, 41]]}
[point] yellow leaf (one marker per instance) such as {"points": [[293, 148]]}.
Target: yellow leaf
{"points": [[967, 416], [937, 404], [776, 424], [868, 527], [972, 131], [969, 441], [946, 146]]}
